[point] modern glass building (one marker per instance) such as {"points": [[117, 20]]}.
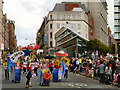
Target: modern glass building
{"points": [[117, 24], [70, 41]]}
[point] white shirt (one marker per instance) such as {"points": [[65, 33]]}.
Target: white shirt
{"points": [[36, 64], [33, 65], [24, 64], [77, 62], [90, 61]]}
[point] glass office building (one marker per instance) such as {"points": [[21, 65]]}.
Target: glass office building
{"points": [[117, 24], [70, 42]]}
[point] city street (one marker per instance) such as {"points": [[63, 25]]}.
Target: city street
{"points": [[74, 81]]}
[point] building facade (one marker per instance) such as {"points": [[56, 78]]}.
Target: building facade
{"points": [[98, 9], [117, 24], [99, 13], [5, 33], [70, 42], [11, 28], [1, 27], [69, 15], [110, 37]]}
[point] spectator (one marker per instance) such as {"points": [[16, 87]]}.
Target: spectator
{"points": [[102, 71]]}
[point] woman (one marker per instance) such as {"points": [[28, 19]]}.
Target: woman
{"points": [[107, 73], [28, 76], [66, 70], [24, 66], [36, 67]]}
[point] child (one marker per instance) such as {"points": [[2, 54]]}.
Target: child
{"points": [[92, 72], [28, 76]]}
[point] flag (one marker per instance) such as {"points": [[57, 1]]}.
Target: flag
{"points": [[10, 65], [61, 70]]}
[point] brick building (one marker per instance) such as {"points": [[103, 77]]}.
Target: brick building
{"points": [[12, 39]]}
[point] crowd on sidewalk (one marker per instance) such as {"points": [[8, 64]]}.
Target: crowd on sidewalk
{"points": [[106, 69]]}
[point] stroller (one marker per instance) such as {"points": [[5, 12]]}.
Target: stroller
{"points": [[117, 80]]}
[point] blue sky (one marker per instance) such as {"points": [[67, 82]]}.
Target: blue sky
{"points": [[28, 16]]}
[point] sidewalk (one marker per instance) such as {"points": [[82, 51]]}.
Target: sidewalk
{"points": [[95, 78]]}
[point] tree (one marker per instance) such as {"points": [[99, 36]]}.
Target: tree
{"points": [[95, 45]]}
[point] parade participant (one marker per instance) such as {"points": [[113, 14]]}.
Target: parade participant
{"points": [[66, 70], [36, 67], [51, 66], [32, 65], [17, 72], [24, 66], [28, 75]]}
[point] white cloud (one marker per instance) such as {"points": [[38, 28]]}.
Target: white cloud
{"points": [[28, 16]]}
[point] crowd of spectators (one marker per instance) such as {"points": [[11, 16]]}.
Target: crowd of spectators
{"points": [[106, 69]]}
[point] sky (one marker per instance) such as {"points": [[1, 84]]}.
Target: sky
{"points": [[28, 16]]}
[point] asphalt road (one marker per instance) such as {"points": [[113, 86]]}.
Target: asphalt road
{"points": [[74, 81]]}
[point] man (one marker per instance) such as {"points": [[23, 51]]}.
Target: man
{"points": [[102, 71], [6, 69]]}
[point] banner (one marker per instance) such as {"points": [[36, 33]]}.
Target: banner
{"points": [[16, 55]]}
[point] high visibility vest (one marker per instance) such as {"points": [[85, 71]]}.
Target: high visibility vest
{"points": [[80, 60]]}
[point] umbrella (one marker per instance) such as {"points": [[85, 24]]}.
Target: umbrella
{"points": [[61, 53], [49, 56]]}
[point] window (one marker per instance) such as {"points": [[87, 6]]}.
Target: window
{"points": [[58, 16], [50, 17], [79, 17], [68, 16], [63, 16], [58, 26], [63, 25], [50, 43], [91, 30], [86, 36], [79, 33], [50, 26], [50, 34], [79, 26], [74, 26], [91, 37], [73, 16]]}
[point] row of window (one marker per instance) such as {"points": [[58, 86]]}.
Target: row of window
{"points": [[63, 16], [63, 25]]}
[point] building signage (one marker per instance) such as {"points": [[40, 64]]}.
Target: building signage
{"points": [[14, 57]]}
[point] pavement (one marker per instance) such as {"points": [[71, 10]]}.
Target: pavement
{"points": [[74, 81]]}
